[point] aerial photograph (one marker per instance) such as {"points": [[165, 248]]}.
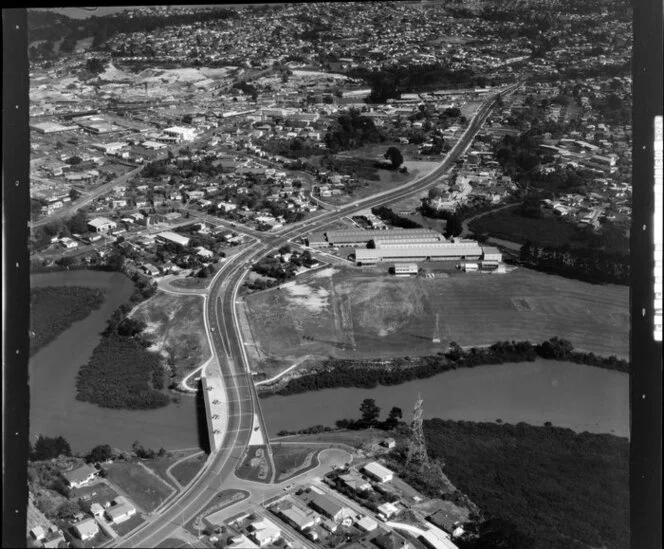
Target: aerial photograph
{"points": [[338, 275]]}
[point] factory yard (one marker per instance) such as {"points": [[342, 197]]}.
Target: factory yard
{"points": [[352, 314]]}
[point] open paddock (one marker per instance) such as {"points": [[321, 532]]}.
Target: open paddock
{"points": [[353, 314]]}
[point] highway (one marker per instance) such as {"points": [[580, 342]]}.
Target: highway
{"points": [[230, 354]]}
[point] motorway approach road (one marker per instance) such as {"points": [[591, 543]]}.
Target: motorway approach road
{"points": [[229, 353]]}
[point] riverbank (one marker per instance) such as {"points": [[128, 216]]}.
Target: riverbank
{"points": [[53, 309], [369, 374], [54, 409], [564, 394]]}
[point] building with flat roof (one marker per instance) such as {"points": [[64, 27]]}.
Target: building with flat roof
{"points": [[300, 518], [405, 269], [173, 238], [378, 472], [101, 225], [358, 237], [180, 133], [418, 251]]}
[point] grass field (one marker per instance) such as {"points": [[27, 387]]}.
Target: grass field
{"points": [[292, 460], [145, 489], [176, 328], [188, 282], [350, 314], [508, 224], [161, 464], [184, 472]]}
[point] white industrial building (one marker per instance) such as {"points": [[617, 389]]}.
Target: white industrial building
{"points": [[173, 238], [389, 250], [180, 133], [378, 472], [405, 269], [359, 237]]}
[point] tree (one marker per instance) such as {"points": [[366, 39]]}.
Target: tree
{"points": [[393, 418], [74, 160], [49, 448], [95, 65], [99, 453], [370, 411], [395, 157], [78, 224], [454, 225]]}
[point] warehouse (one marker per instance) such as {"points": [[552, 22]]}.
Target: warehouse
{"points": [[378, 472], [359, 237], [418, 251], [173, 238]]}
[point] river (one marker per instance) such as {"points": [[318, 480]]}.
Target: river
{"points": [[54, 409], [582, 398]]}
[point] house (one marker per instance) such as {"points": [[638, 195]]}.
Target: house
{"points": [[120, 511], [378, 472], [80, 476], [150, 269], [388, 509], [300, 518], [86, 529], [389, 443], [101, 225], [265, 532], [329, 508], [204, 252], [96, 509], [38, 533], [355, 482]]}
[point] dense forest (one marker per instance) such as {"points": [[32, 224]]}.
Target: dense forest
{"points": [[367, 375], [54, 309], [563, 490]]}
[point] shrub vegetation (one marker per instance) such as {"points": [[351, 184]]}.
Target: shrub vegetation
{"points": [[53, 309]]}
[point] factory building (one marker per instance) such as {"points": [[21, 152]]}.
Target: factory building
{"points": [[173, 238], [359, 237], [390, 250]]}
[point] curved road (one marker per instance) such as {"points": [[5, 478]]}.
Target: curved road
{"points": [[230, 354]]}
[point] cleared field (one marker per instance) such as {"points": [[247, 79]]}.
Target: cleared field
{"points": [[146, 489], [346, 313], [176, 328]]}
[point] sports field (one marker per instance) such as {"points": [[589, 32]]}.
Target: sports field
{"points": [[348, 313]]}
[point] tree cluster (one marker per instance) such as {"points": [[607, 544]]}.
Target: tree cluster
{"points": [[538, 487], [588, 264], [49, 448], [350, 131], [359, 373], [394, 219]]}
